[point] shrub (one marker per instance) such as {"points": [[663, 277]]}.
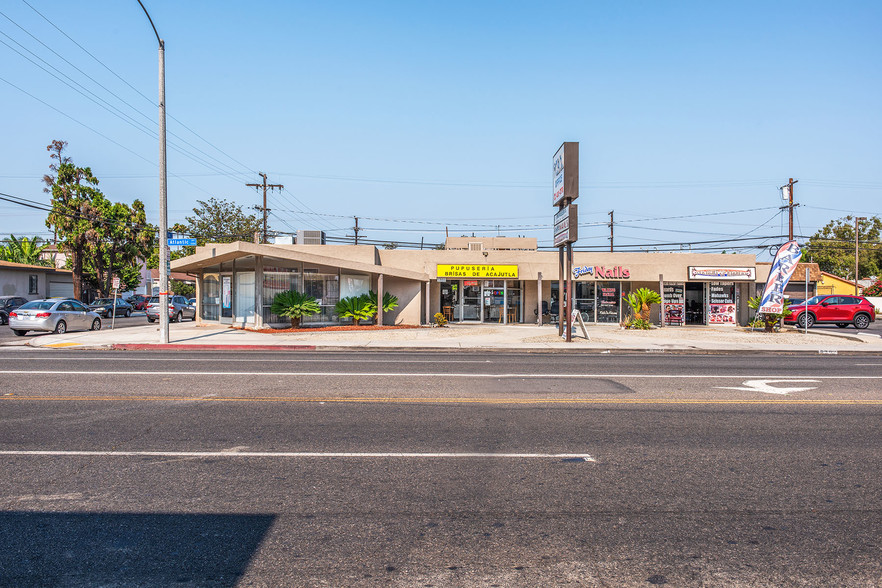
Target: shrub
{"points": [[294, 305], [440, 321], [874, 290], [769, 320], [358, 308], [640, 300]]}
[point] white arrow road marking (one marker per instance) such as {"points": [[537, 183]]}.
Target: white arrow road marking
{"points": [[763, 386]]}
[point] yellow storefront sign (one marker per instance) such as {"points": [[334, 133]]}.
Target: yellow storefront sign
{"points": [[477, 271]]}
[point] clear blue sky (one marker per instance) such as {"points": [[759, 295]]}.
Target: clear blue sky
{"points": [[448, 114]]}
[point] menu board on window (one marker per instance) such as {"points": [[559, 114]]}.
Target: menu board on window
{"points": [[608, 302], [674, 300], [722, 304]]}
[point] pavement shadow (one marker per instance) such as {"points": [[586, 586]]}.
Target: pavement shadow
{"points": [[127, 549]]}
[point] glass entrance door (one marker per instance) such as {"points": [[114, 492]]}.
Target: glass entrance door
{"points": [[471, 301], [494, 301]]}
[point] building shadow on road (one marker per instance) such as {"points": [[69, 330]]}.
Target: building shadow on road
{"points": [[127, 549]]}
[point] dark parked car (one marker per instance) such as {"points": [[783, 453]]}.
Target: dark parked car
{"points": [[57, 315], [7, 305], [178, 309], [104, 307], [836, 309], [138, 301]]}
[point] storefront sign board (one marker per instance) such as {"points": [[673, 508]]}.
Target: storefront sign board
{"points": [[476, 271], [566, 225], [746, 274], [600, 272], [565, 173]]}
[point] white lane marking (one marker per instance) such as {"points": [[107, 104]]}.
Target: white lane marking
{"points": [[296, 454], [766, 387], [411, 375]]}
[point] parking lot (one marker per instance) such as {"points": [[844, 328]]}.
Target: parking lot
{"points": [[137, 319]]}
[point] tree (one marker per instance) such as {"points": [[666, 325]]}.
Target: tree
{"points": [[358, 308], [24, 250], [185, 289], [220, 221], [73, 189], [832, 248], [103, 239]]}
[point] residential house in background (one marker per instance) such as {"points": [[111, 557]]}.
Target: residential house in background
{"points": [[34, 281]]}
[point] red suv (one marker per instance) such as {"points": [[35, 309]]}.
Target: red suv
{"points": [[836, 309]]}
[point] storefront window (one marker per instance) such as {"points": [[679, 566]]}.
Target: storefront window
{"points": [[585, 300], [210, 298], [245, 296], [276, 280], [608, 302], [325, 288], [722, 303]]}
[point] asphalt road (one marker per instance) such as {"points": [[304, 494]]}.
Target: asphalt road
{"points": [[441, 469]]}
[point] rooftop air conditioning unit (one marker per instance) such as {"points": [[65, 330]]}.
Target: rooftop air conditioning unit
{"points": [[284, 240], [310, 237]]}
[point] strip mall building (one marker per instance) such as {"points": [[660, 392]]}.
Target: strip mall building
{"points": [[495, 280]]}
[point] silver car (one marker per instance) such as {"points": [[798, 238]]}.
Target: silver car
{"points": [[57, 315], [178, 309]]}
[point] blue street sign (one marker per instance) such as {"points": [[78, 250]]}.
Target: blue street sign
{"points": [[179, 242]]}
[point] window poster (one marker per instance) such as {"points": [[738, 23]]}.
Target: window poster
{"points": [[227, 296], [674, 301], [608, 302], [722, 304]]}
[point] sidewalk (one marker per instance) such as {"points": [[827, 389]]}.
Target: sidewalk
{"points": [[603, 338]]}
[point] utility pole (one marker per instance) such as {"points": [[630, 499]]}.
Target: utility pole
{"points": [[857, 233], [787, 195], [356, 229], [611, 230], [264, 208]]}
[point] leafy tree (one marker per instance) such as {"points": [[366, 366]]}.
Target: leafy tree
{"points": [[220, 221], [832, 248], [102, 238], [294, 305], [24, 250], [185, 289]]}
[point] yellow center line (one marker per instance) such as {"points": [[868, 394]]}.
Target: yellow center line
{"points": [[429, 400]]}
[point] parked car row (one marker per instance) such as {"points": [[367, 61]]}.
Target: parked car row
{"points": [[59, 315]]}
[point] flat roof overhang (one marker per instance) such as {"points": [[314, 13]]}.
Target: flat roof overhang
{"points": [[216, 253]]}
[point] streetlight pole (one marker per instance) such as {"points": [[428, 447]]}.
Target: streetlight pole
{"points": [[163, 194]]}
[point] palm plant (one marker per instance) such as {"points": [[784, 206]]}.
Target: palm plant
{"points": [[294, 305], [769, 319], [358, 308], [640, 300], [389, 302]]}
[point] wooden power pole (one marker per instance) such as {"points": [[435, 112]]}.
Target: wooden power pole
{"points": [[264, 209], [789, 206]]}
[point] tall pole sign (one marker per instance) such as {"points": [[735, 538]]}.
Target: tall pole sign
{"points": [[565, 189]]}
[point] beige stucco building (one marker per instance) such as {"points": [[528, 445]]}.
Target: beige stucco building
{"points": [[472, 280]]}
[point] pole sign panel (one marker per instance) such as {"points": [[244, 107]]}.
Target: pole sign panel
{"points": [[565, 174], [566, 225], [180, 242]]}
